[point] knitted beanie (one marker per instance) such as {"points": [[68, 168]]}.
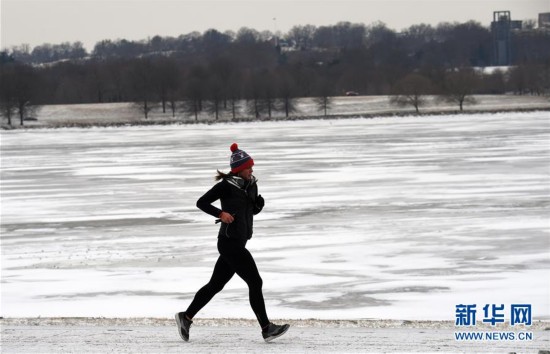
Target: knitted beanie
{"points": [[240, 160]]}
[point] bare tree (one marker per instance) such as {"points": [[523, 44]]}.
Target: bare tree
{"points": [[234, 93], [222, 70], [269, 102], [287, 93], [411, 91], [97, 79], [192, 106], [194, 91], [529, 78], [323, 95], [145, 106], [323, 103], [214, 97], [459, 87], [260, 95], [172, 102], [166, 77], [143, 84], [254, 106], [8, 102], [25, 90], [17, 90]]}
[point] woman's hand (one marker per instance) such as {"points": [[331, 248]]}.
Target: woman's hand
{"points": [[226, 218], [260, 202]]}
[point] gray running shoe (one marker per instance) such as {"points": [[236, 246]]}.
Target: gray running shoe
{"points": [[183, 325], [274, 331]]}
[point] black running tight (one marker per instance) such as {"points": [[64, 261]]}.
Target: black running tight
{"points": [[234, 258]]}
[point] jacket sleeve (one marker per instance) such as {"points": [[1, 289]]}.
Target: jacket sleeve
{"points": [[205, 202], [259, 203]]}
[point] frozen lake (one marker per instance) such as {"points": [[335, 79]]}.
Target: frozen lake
{"points": [[395, 218]]}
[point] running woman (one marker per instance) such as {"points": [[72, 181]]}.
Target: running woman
{"points": [[240, 201]]}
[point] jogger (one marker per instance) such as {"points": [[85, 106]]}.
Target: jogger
{"points": [[240, 201]]}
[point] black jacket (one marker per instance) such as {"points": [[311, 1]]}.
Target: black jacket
{"points": [[239, 198]]}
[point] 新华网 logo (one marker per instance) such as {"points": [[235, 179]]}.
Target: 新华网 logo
{"points": [[466, 315]]}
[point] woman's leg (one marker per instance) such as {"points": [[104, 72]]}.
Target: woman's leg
{"points": [[223, 272], [244, 265]]}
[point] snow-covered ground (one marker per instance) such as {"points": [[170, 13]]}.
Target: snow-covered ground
{"points": [[394, 218], [85, 335]]}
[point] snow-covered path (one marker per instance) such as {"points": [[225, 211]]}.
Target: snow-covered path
{"points": [[106, 336]]}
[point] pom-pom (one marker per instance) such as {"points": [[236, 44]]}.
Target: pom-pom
{"points": [[234, 147]]}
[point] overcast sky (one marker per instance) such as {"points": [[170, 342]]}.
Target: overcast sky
{"points": [[37, 22]]}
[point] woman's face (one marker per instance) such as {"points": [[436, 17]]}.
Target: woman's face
{"points": [[246, 173]]}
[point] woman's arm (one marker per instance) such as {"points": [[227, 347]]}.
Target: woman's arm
{"points": [[205, 202]]}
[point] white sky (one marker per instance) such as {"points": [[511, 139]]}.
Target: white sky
{"points": [[37, 22]]}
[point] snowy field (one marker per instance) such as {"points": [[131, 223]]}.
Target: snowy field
{"points": [[127, 113], [394, 218]]}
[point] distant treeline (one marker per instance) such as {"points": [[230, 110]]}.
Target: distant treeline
{"points": [[212, 71]]}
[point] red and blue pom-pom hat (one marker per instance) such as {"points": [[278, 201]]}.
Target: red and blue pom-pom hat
{"points": [[240, 160]]}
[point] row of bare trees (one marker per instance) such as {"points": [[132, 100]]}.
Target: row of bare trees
{"points": [[459, 85], [458, 88], [218, 88], [214, 89]]}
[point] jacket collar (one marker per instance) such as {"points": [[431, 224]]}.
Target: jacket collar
{"points": [[239, 182]]}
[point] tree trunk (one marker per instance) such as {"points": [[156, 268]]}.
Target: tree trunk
{"points": [[145, 109], [21, 113], [256, 109], [173, 107], [286, 107]]}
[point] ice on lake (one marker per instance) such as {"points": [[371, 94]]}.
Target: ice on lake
{"points": [[397, 218]]}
